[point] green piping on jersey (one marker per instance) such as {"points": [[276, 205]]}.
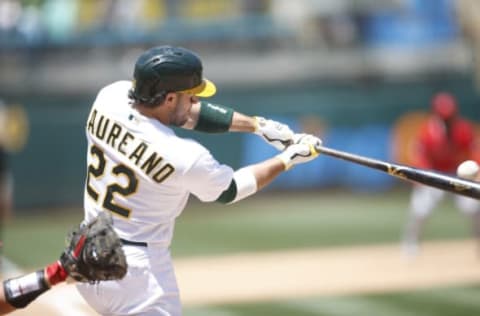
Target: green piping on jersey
{"points": [[229, 194], [214, 118]]}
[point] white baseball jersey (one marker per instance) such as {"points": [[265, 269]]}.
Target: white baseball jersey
{"points": [[141, 172]]}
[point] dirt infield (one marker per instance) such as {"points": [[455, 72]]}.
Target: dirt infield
{"points": [[301, 273]]}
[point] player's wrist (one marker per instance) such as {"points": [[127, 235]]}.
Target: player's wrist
{"points": [[286, 160], [21, 291], [55, 273], [257, 120]]}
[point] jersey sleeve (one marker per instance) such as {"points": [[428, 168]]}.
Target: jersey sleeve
{"points": [[207, 178], [463, 134]]}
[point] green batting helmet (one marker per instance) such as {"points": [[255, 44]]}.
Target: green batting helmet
{"points": [[165, 69]]}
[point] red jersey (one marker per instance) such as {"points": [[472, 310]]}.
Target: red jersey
{"points": [[441, 150]]}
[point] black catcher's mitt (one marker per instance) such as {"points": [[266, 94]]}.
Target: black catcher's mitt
{"points": [[94, 252]]}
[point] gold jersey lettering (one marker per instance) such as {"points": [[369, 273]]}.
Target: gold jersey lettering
{"points": [[116, 136], [125, 140], [137, 154], [151, 163], [113, 135], [163, 173], [101, 130], [91, 122]]}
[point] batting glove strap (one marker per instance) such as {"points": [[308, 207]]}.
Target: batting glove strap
{"points": [[296, 154]]}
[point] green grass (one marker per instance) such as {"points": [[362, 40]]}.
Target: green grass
{"points": [[274, 222], [306, 220], [35, 240], [433, 302], [261, 223]]}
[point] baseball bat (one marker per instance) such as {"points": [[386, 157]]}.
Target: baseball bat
{"points": [[430, 178]]}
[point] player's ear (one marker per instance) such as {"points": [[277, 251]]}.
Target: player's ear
{"points": [[170, 99], [172, 96]]}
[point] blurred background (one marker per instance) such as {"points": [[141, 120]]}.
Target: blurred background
{"points": [[359, 73], [348, 70]]}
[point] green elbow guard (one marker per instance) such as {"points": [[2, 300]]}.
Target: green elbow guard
{"points": [[214, 118], [229, 194]]}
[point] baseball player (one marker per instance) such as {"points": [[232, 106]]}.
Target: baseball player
{"points": [[93, 254], [444, 141], [142, 173]]}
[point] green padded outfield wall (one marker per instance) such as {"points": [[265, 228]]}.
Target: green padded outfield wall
{"points": [[50, 171]]}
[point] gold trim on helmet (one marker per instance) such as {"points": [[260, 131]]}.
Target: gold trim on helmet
{"points": [[205, 89]]}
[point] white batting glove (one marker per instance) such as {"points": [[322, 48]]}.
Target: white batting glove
{"points": [[301, 151], [302, 138], [277, 134]]}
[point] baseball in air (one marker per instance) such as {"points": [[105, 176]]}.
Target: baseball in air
{"points": [[468, 170]]}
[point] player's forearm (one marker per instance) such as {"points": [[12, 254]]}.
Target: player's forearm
{"points": [[243, 123], [266, 171], [213, 118], [248, 180], [303, 151], [21, 291]]}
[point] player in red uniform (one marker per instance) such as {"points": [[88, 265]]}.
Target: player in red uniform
{"points": [[444, 141]]}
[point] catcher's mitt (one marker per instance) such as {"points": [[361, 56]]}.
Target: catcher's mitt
{"points": [[94, 252]]}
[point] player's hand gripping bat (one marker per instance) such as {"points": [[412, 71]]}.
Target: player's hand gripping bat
{"points": [[426, 177]]}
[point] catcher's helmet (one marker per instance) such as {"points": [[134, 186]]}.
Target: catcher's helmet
{"points": [[164, 69]]}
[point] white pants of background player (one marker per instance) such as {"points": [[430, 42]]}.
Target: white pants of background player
{"points": [[422, 203], [424, 199], [148, 289]]}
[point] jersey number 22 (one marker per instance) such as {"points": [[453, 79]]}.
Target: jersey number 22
{"points": [[119, 170]]}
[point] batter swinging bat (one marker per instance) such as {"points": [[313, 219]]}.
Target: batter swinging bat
{"points": [[430, 178]]}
